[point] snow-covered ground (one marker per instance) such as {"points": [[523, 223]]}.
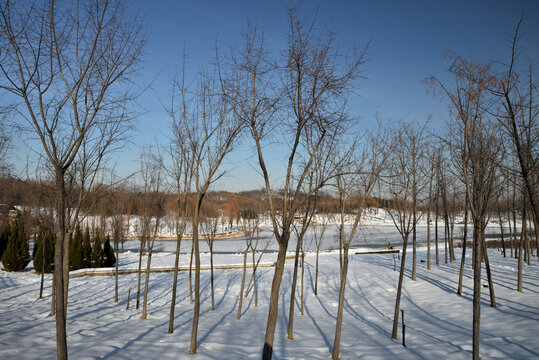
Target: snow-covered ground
{"points": [[438, 321]]}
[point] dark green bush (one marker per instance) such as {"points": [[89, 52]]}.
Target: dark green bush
{"points": [[108, 252], [76, 254], [44, 256], [16, 256]]}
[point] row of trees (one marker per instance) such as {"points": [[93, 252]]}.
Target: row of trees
{"points": [[75, 87]]}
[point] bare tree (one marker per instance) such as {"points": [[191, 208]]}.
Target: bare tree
{"points": [[68, 66], [152, 210], [402, 189], [209, 226], [518, 116], [181, 172], [209, 132], [364, 173], [318, 233], [249, 222], [315, 84], [477, 147]]}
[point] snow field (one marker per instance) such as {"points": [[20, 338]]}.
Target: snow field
{"points": [[438, 321]]}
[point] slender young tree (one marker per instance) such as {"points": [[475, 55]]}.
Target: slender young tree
{"points": [[249, 223], [209, 226], [318, 234], [401, 208], [152, 211], [181, 172], [209, 130], [518, 116], [365, 172], [478, 148]]}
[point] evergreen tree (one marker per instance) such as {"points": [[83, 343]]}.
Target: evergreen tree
{"points": [[76, 255], [87, 250], [108, 251], [97, 252], [3, 239], [44, 237], [17, 255]]}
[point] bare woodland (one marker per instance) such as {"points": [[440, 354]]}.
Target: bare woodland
{"points": [[68, 71]]}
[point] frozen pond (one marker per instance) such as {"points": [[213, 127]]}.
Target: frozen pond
{"points": [[370, 236]]}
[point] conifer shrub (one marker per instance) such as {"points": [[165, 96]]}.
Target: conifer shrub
{"points": [[87, 250], [4, 235], [17, 255], [44, 256], [76, 254], [97, 252], [108, 252]]}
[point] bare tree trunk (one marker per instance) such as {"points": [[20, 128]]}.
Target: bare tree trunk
{"points": [[399, 290], [290, 335], [117, 245], [414, 247], [175, 283], [476, 289], [302, 280], [487, 267], [142, 245], [428, 236], [528, 250], [147, 279], [342, 289], [267, 352], [464, 245], [53, 302], [196, 310], [240, 304], [211, 278], [414, 211], [255, 286], [191, 270], [523, 235], [510, 235], [446, 237], [59, 281], [451, 247], [501, 231], [436, 213], [316, 269]]}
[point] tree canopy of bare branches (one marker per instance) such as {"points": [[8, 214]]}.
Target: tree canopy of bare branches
{"points": [[69, 64]]}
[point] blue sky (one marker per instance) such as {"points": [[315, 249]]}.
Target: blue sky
{"points": [[408, 39]]}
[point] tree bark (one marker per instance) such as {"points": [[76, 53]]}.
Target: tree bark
{"points": [[487, 267], [501, 231], [59, 250], [147, 280], [476, 289], [174, 284], [196, 310], [520, 248], [142, 242], [240, 304], [342, 289], [116, 243], [436, 213], [290, 335], [399, 290], [267, 351], [464, 245]]}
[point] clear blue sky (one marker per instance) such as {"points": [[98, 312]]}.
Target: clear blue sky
{"points": [[408, 41]]}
